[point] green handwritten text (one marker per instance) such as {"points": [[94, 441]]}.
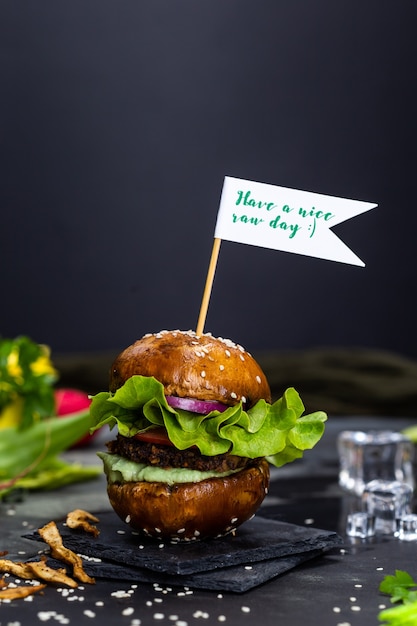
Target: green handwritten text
{"points": [[247, 220], [278, 223], [308, 217], [245, 199]]}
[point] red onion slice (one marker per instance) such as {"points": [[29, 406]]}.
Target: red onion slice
{"points": [[204, 407]]}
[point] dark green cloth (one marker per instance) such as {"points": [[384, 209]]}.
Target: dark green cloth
{"points": [[347, 381]]}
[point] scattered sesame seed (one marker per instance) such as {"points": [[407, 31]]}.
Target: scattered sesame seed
{"points": [[233, 395], [258, 379], [89, 613], [158, 616], [221, 367], [128, 610], [355, 608], [336, 609], [44, 616], [221, 618], [120, 594], [203, 374], [227, 352], [202, 614], [245, 609]]}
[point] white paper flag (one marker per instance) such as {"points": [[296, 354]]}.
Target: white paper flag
{"points": [[286, 219]]}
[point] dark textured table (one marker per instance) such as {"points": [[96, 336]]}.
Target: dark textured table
{"points": [[334, 588]]}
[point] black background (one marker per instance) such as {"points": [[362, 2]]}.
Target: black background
{"points": [[119, 121]]}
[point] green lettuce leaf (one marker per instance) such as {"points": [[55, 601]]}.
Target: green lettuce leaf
{"points": [[276, 431]]}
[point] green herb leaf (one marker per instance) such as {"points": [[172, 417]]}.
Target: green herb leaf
{"points": [[401, 615], [401, 587], [275, 431], [398, 586]]}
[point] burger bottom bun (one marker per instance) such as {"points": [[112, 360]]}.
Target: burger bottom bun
{"points": [[207, 509]]}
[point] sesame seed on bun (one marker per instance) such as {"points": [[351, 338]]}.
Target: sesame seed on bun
{"points": [[194, 366]]}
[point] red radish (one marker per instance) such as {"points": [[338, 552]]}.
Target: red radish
{"points": [[69, 401]]}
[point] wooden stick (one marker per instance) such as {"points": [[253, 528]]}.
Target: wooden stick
{"points": [[209, 284]]}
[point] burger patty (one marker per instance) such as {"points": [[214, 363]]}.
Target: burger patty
{"points": [[170, 457]]}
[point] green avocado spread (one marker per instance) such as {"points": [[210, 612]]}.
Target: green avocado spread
{"points": [[118, 469]]}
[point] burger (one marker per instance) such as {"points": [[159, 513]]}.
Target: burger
{"points": [[197, 433]]}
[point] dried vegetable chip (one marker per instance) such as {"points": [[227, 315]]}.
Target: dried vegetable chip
{"points": [[42, 571], [50, 534], [14, 593], [37, 570], [80, 519], [20, 570]]}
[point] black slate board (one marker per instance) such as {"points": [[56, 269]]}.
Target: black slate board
{"points": [[275, 545], [236, 579]]}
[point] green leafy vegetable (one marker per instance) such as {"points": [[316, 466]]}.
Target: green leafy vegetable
{"points": [[31, 436], [411, 432], [28, 458], [277, 431], [401, 588], [26, 381]]}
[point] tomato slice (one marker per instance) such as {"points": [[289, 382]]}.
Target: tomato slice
{"points": [[157, 435]]}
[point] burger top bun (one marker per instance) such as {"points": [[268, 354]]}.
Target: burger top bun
{"points": [[193, 366]]}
